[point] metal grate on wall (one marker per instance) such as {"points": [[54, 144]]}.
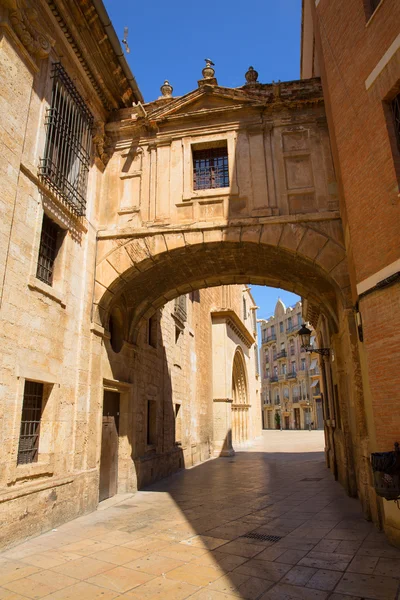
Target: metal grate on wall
{"points": [[66, 161], [30, 423], [210, 168], [47, 250]]}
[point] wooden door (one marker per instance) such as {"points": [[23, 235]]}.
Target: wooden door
{"points": [[287, 425], [108, 485], [297, 418]]}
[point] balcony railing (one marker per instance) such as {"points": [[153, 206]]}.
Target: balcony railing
{"points": [[292, 351], [271, 338], [296, 399], [291, 327], [281, 354], [274, 378], [292, 375], [277, 400], [282, 376]]}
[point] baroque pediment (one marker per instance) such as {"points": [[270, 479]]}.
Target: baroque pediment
{"points": [[201, 101]]}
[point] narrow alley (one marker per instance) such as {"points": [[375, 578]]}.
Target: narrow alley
{"points": [[269, 523]]}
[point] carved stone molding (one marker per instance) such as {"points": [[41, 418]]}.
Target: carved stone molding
{"points": [[24, 20], [102, 143]]}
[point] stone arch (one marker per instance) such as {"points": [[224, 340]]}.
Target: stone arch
{"points": [[240, 399], [153, 268]]}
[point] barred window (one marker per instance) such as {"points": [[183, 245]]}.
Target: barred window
{"points": [[395, 105], [65, 165], [50, 240], [30, 423], [210, 168]]}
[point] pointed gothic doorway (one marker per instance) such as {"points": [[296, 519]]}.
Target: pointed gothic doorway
{"points": [[240, 404]]}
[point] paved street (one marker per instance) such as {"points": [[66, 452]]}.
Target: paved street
{"points": [[186, 537]]}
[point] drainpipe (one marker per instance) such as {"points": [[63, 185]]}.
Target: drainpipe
{"points": [[112, 36]]}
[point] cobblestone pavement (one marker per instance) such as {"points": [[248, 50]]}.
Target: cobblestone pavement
{"points": [[201, 534]]}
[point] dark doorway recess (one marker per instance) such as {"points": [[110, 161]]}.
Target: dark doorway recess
{"points": [[108, 485]]}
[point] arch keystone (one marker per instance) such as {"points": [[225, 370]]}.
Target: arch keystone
{"points": [[271, 234], [292, 236], [251, 234], [174, 240]]}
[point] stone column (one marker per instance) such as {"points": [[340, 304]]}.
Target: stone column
{"points": [[222, 417]]}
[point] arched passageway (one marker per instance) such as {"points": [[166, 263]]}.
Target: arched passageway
{"points": [[140, 273]]}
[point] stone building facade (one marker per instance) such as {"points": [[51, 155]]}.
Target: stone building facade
{"points": [[290, 376], [85, 414], [354, 46]]}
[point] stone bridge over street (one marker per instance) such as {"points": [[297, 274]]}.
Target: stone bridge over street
{"points": [[273, 220], [225, 186]]}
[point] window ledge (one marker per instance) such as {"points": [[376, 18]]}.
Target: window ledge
{"points": [[211, 194], [39, 286]]}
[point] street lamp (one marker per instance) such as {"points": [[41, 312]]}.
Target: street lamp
{"points": [[305, 336]]}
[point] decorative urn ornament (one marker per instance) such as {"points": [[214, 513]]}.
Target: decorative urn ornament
{"points": [[166, 89], [251, 75], [208, 71]]}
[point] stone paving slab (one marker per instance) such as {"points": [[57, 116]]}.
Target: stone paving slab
{"points": [[185, 537]]}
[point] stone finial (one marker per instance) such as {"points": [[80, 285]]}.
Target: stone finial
{"points": [[166, 89], [208, 71], [251, 75]]}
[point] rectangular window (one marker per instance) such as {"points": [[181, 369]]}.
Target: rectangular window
{"points": [[151, 422], [178, 423], [152, 331], [210, 168], [50, 239], [281, 326], [257, 362], [395, 106], [303, 364], [66, 161], [32, 408], [374, 5]]}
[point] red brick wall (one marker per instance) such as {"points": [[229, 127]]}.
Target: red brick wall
{"points": [[368, 164], [359, 124]]}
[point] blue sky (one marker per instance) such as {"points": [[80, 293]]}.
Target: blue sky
{"points": [[171, 40]]}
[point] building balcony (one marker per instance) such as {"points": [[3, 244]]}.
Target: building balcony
{"points": [[281, 354], [277, 401], [269, 338], [273, 379], [296, 399], [282, 376], [292, 351], [291, 328], [292, 375]]}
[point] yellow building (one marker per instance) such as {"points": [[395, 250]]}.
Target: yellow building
{"points": [[291, 388]]}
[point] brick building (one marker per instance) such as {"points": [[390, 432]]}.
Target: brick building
{"points": [[290, 377], [354, 45]]}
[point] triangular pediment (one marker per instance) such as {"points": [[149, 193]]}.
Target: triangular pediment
{"points": [[204, 101]]}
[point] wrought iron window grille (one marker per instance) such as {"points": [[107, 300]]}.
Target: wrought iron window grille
{"points": [[65, 166], [210, 168], [30, 423]]}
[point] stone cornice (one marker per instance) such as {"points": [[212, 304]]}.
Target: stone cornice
{"points": [[81, 24], [235, 323]]}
